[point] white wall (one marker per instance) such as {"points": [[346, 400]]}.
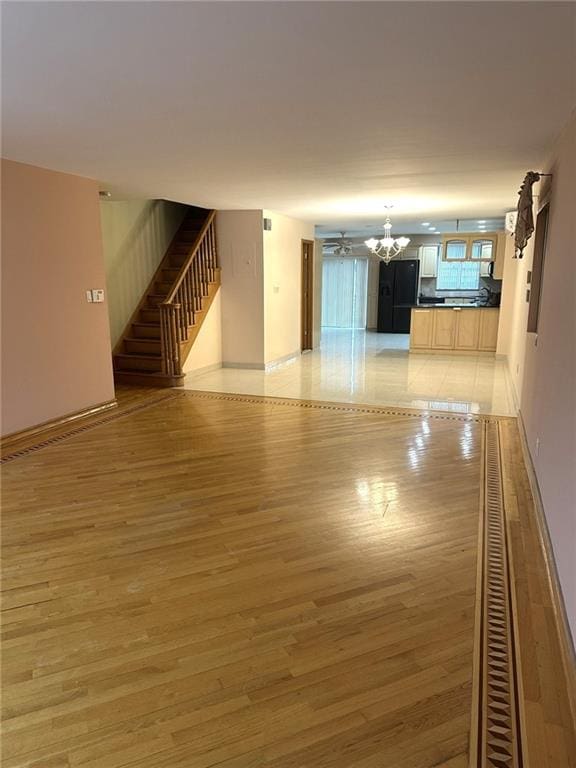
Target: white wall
{"points": [[206, 351], [543, 366], [512, 337], [135, 235], [283, 285], [240, 250], [317, 324]]}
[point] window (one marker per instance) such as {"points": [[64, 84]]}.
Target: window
{"points": [[455, 250], [458, 275], [344, 292], [482, 249], [537, 268]]}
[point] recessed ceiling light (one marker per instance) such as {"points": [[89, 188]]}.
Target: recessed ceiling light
{"points": [[481, 221], [425, 223]]}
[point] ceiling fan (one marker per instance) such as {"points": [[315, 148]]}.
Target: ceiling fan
{"points": [[342, 245]]}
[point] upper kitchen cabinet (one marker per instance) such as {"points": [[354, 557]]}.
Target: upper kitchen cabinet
{"points": [[428, 255], [484, 248], [455, 248]]}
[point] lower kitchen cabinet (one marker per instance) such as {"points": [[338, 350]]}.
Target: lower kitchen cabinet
{"points": [[467, 329], [457, 329], [444, 331], [421, 328], [488, 336]]}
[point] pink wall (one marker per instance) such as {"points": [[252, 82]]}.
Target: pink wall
{"points": [[548, 397], [56, 355]]}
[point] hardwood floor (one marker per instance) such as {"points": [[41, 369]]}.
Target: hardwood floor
{"points": [[237, 582]]}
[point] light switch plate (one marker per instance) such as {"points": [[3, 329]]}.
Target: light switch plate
{"points": [[98, 295], [89, 297]]}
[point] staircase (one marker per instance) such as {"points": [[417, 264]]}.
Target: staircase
{"points": [[163, 328]]}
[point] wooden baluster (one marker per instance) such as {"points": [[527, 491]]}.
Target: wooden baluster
{"points": [[200, 275], [214, 243], [205, 266], [170, 338], [209, 244], [165, 339], [175, 338], [191, 319], [181, 315], [195, 264], [213, 249], [187, 307]]}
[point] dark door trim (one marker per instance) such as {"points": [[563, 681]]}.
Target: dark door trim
{"points": [[307, 301]]}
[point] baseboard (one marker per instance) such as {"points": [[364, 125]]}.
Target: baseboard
{"points": [[565, 638], [284, 359], [451, 352], [204, 369], [246, 366], [41, 431]]}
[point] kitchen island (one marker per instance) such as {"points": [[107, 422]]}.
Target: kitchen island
{"points": [[447, 328]]}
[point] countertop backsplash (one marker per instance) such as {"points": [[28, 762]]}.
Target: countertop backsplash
{"points": [[428, 288]]}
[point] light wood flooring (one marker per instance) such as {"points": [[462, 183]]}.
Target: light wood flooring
{"points": [[243, 583]]}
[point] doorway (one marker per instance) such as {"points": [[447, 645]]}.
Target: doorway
{"points": [[307, 312], [344, 292]]}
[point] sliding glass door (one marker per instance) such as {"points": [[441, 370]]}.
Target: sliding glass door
{"points": [[344, 292]]}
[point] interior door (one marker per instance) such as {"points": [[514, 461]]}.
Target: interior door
{"points": [[307, 294]]}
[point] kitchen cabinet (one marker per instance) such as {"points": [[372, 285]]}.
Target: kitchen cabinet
{"points": [[428, 260], [482, 247], [421, 328], [455, 248], [488, 332], [485, 248], [457, 329], [467, 329], [444, 328]]}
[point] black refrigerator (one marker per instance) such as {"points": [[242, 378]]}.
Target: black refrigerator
{"points": [[397, 294]]}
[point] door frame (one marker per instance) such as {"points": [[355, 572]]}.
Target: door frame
{"points": [[307, 296]]}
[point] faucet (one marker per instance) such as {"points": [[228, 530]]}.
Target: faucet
{"points": [[486, 298]]}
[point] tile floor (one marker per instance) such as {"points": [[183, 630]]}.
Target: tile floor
{"points": [[374, 368]]}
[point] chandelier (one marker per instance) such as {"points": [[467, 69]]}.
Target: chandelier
{"points": [[387, 247]]}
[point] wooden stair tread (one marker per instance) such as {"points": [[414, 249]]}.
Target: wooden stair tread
{"points": [[146, 325], [136, 356]]}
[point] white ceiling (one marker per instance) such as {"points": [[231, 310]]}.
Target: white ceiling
{"points": [[407, 227], [323, 111]]}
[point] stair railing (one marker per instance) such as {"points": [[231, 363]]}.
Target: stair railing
{"points": [[178, 311]]}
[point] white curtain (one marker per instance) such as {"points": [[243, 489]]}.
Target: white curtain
{"points": [[344, 292]]}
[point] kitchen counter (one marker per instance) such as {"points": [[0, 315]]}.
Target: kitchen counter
{"points": [[465, 305], [447, 306], [446, 328]]}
